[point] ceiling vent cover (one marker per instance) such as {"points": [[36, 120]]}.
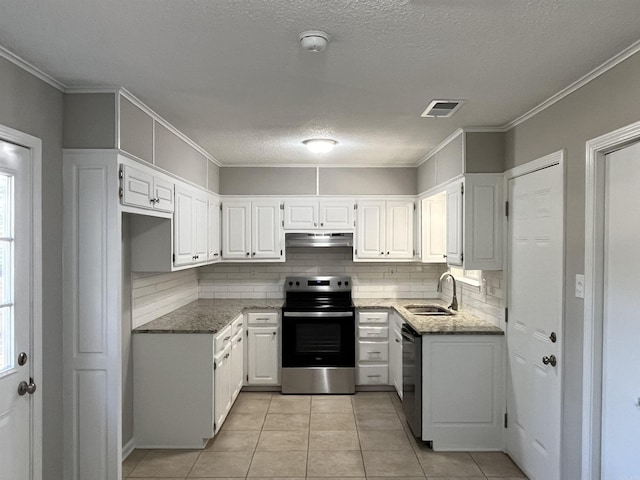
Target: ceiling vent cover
{"points": [[442, 108]]}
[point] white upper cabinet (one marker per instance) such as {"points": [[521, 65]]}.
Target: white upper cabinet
{"points": [[143, 189], [301, 214], [214, 229], [474, 222], [385, 230], [251, 230], [305, 214], [336, 215], [434, 229], [190, 226]]}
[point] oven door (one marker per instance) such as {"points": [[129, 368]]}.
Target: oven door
{"points": [[318, 339]]}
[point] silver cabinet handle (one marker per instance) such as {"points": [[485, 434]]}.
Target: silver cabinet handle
{"points": [[226, 338], [374, 376], [397, 340]]}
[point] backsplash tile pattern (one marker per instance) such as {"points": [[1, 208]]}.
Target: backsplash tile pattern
{"points": [[155, 294], [472, 299], [370, 280]]}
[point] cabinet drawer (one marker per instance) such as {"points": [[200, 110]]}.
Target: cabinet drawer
{"points": [[373, 317], [373, 332], [264, 318], [237, 325], [222, 339], [373, 375], [373, 351]]}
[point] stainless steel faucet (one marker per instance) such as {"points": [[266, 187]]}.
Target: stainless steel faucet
{"points": [[454, 300]]}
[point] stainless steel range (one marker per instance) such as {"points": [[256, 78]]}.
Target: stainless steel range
{"points": [[318, 336]]}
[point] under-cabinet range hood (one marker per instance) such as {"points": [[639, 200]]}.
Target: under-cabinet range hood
{"points": [[319, 239]]}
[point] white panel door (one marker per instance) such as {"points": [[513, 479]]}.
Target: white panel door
{"points": [[236, 230], [336, 215], [237, 359], [262, 356], [371, 229], [266, 236], [183, 226], [620, 447], [16, 427], [454, 223], [163, 194], [399, 227], [200, 227], [535, 299], [214, 229], [222, 386], [301, 215], [434, 229], [137, 187]]}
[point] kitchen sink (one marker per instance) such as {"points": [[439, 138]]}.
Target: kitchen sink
{"points": [[429, 310]]}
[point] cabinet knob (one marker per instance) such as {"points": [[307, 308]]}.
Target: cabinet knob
{"points": [[274, 333], [444, 256], [322, 224], [248, 254], [315, 224], [381, 253], [253, 254], [387, 253]]}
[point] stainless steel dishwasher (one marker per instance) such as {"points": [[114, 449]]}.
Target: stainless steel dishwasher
{"points": [[412, 378]]}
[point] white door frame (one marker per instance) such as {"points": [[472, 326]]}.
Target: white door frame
{"points": [[34, 144], [596, 150], [555, 158]]}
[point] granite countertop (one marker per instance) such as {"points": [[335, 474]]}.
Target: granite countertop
{"points": [[206, 315], [462, 323], [211, 315]]}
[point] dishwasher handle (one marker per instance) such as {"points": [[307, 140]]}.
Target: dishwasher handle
{"points": [[408, 335]]}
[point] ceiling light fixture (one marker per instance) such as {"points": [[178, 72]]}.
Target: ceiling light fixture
{"points": [[314, 41], [320, 145]]}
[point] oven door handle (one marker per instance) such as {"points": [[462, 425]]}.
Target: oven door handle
{"points": [[317, 314]]}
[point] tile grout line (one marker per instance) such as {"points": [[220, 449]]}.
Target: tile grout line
{"points": [[255, 449]]}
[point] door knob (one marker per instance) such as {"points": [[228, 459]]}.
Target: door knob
{"points": [[551, 359], [25, 387]]}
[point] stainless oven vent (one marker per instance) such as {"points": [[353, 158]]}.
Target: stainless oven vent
{"points": [[319, 239]]}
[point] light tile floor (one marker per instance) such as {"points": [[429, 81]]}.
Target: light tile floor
{"points": [[303, 436]]}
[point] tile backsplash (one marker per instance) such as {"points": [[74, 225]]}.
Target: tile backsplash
{"points": [[487, 306], [370, 280]]}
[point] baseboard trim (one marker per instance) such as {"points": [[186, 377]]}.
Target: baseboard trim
{"points": [[128, 447]]}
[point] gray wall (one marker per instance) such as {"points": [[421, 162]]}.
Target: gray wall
{"points": [[443, 166], [267, 181], [30, 105], [136, 131], [368, 181], [605, 104], [484, 152], [179, 158], [213, 182], [89, 120]]}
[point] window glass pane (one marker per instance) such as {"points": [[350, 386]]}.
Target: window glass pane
{"points": [[6, 338], [6, 270]]}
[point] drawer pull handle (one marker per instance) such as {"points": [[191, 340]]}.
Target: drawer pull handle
{"points": [[226, 338], [375, 353], [374, 376]]}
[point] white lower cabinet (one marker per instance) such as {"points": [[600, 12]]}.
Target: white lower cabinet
{"points": [[395, 352], [172, 409], [463, 396], [263, 347], [372, 349], [228, 368]]}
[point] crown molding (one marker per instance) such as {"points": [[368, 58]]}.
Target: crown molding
{"points": [[313, 165], [581, 82], [33, 70], [440, 146], [73, 90]]}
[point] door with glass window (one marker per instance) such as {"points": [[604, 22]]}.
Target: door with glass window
{"points": [[16, 384]]}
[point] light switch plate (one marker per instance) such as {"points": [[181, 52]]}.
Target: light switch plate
{"points": [[579, 286]]}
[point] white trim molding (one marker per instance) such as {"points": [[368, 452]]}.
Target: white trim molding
{"points": [[33, 70], [596, 150], [440, 146], [34, 144]]}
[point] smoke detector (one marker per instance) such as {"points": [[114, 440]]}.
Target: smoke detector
{"points": [[442, 108], [314, 41]]}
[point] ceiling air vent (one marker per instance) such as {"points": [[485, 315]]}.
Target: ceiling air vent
{"points": [[442, 108]]}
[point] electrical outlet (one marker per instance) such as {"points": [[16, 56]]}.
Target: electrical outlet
{"points": [[579, 286]]}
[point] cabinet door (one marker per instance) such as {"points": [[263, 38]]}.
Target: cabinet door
{"points": [[370, 229], [236, 230], [183, 227], [163, 194], [214, 229], [454, 222], [237, 357], [200, 227], [137, 187], [483, 216], [395, 355], [301, 215], [222, 383], [434, 229], [336, 215], [262, 356], [266, 236], [399, 227]]}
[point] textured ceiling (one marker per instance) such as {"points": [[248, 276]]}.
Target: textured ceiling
{"points": [[230, 74]]}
